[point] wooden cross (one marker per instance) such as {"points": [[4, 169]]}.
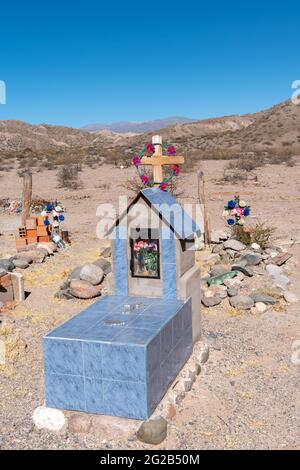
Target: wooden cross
{"points": [[158, 160]]}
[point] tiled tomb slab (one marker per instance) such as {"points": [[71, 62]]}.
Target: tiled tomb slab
{"points": [[93, 364]]}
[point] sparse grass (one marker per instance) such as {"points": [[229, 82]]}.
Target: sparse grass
{"points": [[260, 233], [68, 177]]}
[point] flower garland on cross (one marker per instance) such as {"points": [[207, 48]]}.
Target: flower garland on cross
{"points": [[149, 150]]}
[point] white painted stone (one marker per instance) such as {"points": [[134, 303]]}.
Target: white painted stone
{"points": [[260, 307], [203, 354], [273, 270], [255, 246], [49, 418]]}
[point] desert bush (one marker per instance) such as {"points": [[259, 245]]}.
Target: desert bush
{"points": [[68, 178], [260, 233]]}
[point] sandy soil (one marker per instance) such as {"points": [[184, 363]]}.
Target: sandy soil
{"points": [[247, 395]]}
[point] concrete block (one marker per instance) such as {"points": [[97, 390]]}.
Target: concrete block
{"points": [[189, 286], [18, 286]]}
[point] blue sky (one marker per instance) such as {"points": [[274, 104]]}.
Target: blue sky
{"points": [[75, 63]]}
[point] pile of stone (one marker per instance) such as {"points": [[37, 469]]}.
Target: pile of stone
{"points": [[12, 283], [231, 263], [87, 281]]}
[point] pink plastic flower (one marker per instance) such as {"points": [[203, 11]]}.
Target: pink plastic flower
{"points": [[171, 150], [163, 186], [145, 179], [176, 170], [240, 211], [150, 148], [136, 161]]}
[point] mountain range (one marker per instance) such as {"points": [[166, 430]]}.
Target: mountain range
{"points": [[276, 128], [138, 127]]}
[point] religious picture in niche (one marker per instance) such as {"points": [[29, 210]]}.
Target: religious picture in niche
{"points": [[145, 258]]}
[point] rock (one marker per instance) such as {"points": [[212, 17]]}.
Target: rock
{"points": [[281, 258], [49, 418], [211, 301], [217, 236], [231, 253], [262, 298], [242, 302], [104, 264], [84, 290], [235, 283], [213, 259], [219, 269], [260, 307], [80, 423], [281, 281], [106, 252], [20, 263], [234, 245], [7, 265], [273, 270], [290, 297], [170, 411], [218, 280], [75, 274], [251, 259], [187, 385], [207, 293], [48, 246], [197, 368], [232, 291], [204, 276], [153, 431], [218, 290], [203, 354], [32, 256], [91, 273], [217, 249], [243, 269], [64, 294], [255, 246]]}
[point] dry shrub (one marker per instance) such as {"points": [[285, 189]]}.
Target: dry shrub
{"points": [[68, 177], [260, 233]]}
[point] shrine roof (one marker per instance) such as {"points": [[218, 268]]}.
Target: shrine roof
{"points": [[170, 210]]}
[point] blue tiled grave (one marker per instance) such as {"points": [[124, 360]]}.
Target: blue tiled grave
{"points": [[119, 356]]}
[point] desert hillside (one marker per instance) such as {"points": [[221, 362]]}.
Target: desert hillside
{"points": [[274, 130]]}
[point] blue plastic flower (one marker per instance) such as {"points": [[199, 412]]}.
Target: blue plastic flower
{"points": [[46, 222], [230, 221], [49, 207], [246, 211], [231, 204], [61, 218]]}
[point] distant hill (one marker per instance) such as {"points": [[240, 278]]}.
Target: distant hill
{"points": [[276, 129], [137, 127]]}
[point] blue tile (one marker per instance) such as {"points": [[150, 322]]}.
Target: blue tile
{"points": [[178, 326], [155, 391], [187, 315], [154, 355], [166, 335], [124, 318], [122, 362], [128, 399], [167, 374], [188, 341], [65, 392], [168, 251], [179, 356], [94, 396], [92, 360], [100, 333], [120, 266], [135, 336], [148, 322], [63, 356], [169, 280]]}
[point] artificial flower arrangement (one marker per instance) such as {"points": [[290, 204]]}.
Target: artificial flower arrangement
{"points": [[149, 149], [235, 211]]}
